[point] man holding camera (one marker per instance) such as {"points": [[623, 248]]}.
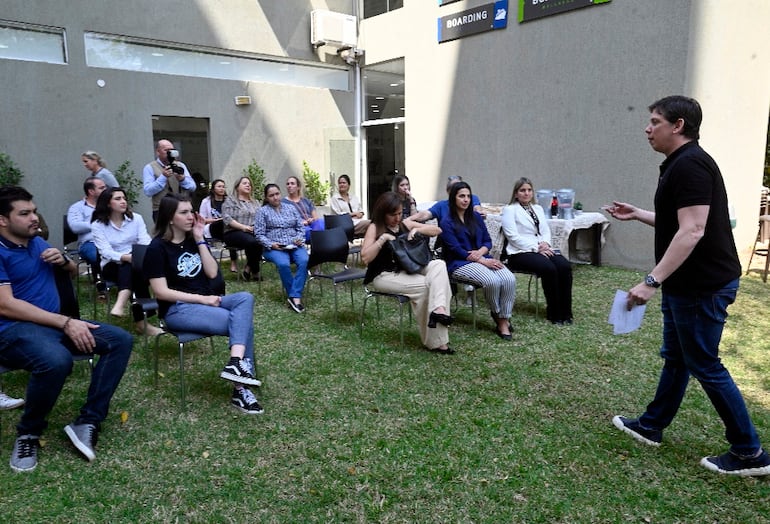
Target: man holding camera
{"points": [[166, 174]]}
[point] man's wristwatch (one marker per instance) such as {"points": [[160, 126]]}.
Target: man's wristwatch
{"points": [[650, 281], [65, 260]]}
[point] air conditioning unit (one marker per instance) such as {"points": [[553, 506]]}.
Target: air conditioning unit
{"points": [[334, 29]]}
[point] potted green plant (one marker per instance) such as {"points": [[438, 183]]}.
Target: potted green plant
{"points": [[257, 177], [315, 190], [128, 180], [10, 175], [578, 207]]}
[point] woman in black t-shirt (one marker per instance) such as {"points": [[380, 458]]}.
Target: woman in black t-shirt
{"points": [[183, 275]]}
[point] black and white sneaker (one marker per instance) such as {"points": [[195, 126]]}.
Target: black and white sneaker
{"points": [[237, 371], [731, 464], [244, 401], [631, 426], [297, 308]]}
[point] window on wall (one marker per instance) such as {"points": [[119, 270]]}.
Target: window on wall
{"points": [[32, 43], [130, 54], [377, 7], [384, 88]]}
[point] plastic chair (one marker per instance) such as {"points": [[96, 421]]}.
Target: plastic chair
{"points": [[401, 299], [76, 358], [331, 246], [532, 274], [70, 307], [346, 223], [69, 241], [182, 338], [762, 251], [454, 282], [146, 305]]}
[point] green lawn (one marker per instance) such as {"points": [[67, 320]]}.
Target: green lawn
{"points": [[359, 430]]}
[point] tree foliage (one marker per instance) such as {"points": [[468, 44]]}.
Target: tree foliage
{"points": [[315, 190], [127, 179], [10, 175], [257, 177]]}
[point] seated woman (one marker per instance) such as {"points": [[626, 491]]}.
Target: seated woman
{"points": [[238, 212], [280, 230], [403, 189], [310, 219], [182, 271], [211, 211], [465, 248], [116, 229], [529, 249], [343, 203], [429, 290]]}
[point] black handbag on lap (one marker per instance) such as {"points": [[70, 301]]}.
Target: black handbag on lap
{"points": [[411, 255]]}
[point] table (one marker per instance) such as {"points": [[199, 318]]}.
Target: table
{"points": [[584, 247]]}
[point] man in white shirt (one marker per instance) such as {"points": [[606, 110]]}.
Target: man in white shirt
{"points": [[79, 221]]}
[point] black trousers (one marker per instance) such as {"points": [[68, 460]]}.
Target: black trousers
{"points": [[249, 244], [556, 275]]}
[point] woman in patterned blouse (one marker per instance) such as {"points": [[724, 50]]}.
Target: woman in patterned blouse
{"points": [[280, 230], [238, 214]]}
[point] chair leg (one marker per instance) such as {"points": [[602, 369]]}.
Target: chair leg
{"points": [[363, 316], [157, 350], [181, 375], [767, 264], [401, 322], [335, 302], [473, 307]]}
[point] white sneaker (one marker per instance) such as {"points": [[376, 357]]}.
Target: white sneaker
{"points": [[7, 402]]}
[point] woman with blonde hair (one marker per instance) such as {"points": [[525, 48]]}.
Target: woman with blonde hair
{"points": [[94, 163], [310, 219], [238, 213], [529, 249]]}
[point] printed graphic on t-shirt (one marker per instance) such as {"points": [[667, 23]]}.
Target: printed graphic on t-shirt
{"points": [[188, 265]]}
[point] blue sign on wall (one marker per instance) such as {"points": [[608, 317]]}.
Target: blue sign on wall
{"points": [[487, 17]]}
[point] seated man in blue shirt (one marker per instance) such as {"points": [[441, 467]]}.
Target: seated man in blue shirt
{"points": [[79, 221], [37, 337], [440, 209]]}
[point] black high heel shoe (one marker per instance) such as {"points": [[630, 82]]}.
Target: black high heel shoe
{"points": [[439, 318]]}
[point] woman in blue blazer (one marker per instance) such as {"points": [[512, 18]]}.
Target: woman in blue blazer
{"points": [[465, 247]]}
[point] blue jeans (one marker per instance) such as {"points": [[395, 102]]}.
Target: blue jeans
{"points": [[692, 330], [234, 317], [47, 354], [87, 251], [293, 284]]}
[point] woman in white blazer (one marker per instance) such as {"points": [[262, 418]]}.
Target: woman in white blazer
{"points": [[529, 249]]}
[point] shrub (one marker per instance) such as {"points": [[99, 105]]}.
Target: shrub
{"points": [[10, 175], [127, 179], [315, 190], [257, 177]]}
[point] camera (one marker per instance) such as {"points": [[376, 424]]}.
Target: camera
{"points": [[171, 157]]}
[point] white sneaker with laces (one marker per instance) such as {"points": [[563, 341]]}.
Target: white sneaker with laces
{"points": [[7, 402]]}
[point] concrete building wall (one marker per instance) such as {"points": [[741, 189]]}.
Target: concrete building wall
{"points": [[563, 100], [52, 113]]}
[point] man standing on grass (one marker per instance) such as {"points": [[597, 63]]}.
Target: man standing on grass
{"points": [[698, 268], [36, 336]]}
